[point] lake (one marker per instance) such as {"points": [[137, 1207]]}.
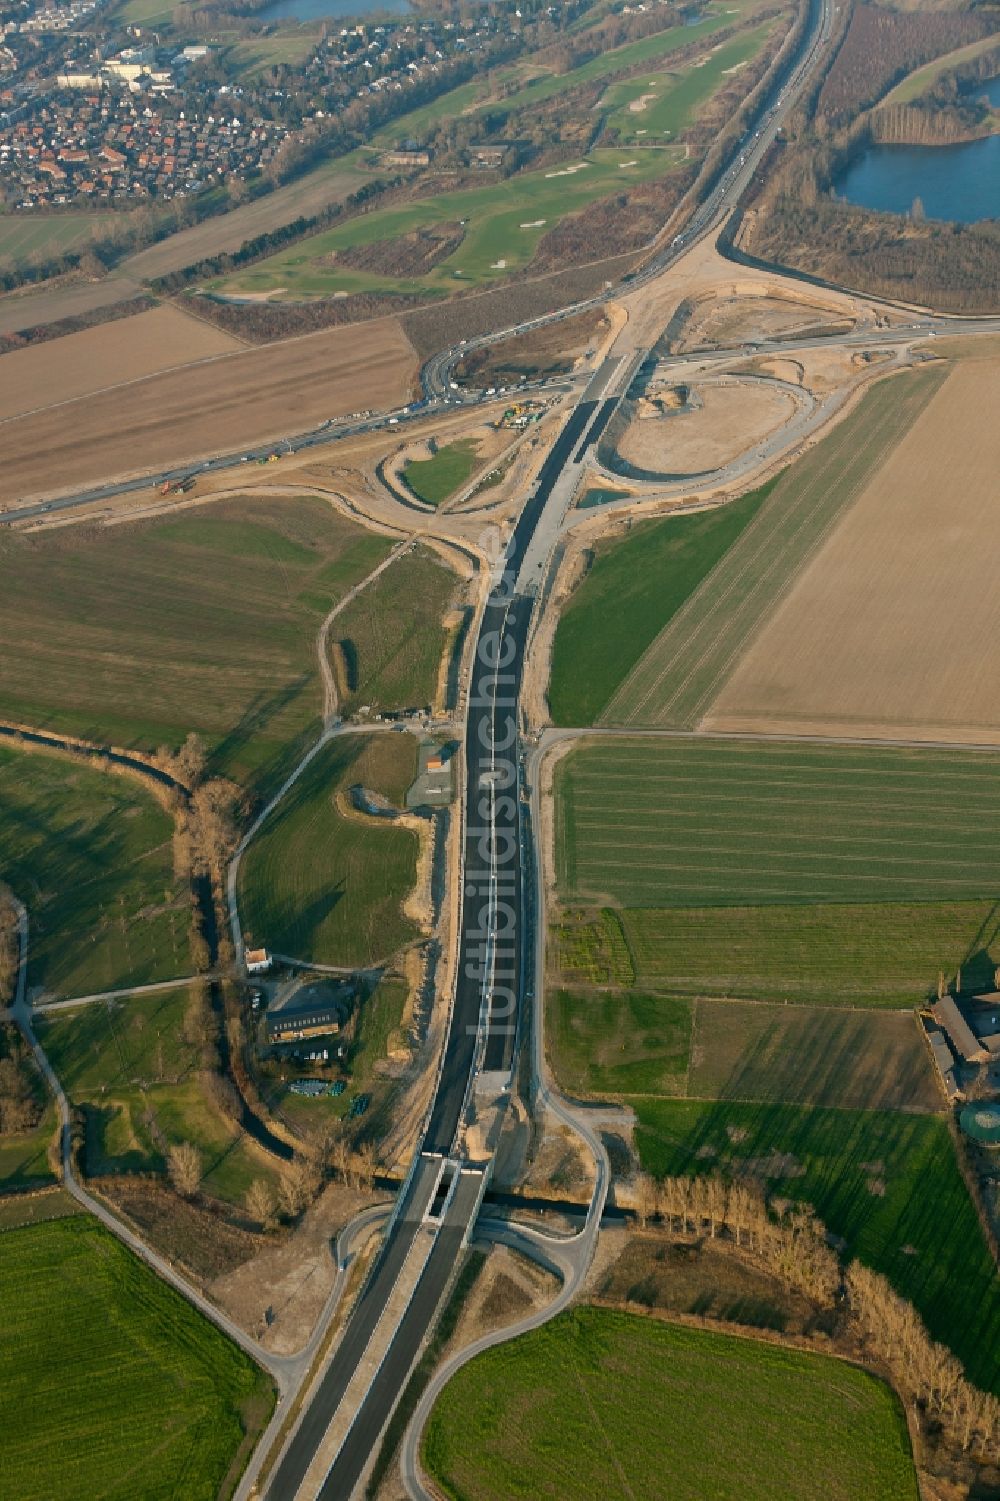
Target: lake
{"points": [[320, 10], [960, 182]]}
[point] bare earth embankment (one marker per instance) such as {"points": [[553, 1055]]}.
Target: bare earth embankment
{"points": [[893, 628], [708, 435], [109, 355], [253, 396]]}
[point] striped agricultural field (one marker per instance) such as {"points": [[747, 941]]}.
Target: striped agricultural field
{"points": [[698, 822], [677, 679]]}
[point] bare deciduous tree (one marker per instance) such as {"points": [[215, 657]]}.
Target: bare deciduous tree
{"points": [[299, 1185], [260, 1203], [184, 1168]]}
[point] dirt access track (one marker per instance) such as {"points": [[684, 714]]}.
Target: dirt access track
{"points": [[242, 399]]}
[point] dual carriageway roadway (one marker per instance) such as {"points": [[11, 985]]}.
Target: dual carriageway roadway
{"points": [[337, 1434], [441, 1198]]}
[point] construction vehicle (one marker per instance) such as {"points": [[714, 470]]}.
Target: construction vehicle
{"points": [[177, 486]]}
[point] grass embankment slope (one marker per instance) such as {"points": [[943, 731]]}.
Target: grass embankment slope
{"points": [[436, 479], [607, 1405], [204, 621], [390, 640], [91, 857], [138, 1078], [634, 587], [112, 1384], [676, 680], [323, 882]]}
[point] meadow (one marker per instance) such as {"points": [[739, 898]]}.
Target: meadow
{"points": [[886, 1182], [285, 48], [628, 1043], [320, 885], [862, 954], [680, 674], [603, 1042], [138, 1081], [922, 80], [204, 621], [24, 235], [119, 1387], [392, 638], [506, 220], [633, 589], [695, 822], [24, 1159], [605, 1406], [91, 857], [813, 874], [620, 59], [809, 1056], [664, 104], [436, 479]]}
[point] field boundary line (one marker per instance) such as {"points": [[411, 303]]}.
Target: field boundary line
{"points": [[781, 510]]}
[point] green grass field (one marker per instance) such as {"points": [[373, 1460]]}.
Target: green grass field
{"points": [[288, 48], [392, 638], [692, 822], [603, 1042], [119, 1387], [24, 1155], [780, 871], [606, 1406], [322, 886], [480, 97], [90, 855], [886, 1182], [145, 13], [661, 105], [632, 55], [636, 585], [624, 1043], [922, 79], [128, 1065], [506, 222], [436, 479], [677, 678], [27, 234], [204, 621], [864, 954]]}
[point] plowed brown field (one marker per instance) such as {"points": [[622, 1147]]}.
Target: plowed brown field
{"points": [[246, 398], [109, 355], [893, 630]]}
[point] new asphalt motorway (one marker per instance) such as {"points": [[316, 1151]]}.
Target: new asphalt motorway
{"points": [[483, 1025]]}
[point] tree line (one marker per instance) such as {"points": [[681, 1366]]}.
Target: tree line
{"points": [[882, 46], [789, 1241]]}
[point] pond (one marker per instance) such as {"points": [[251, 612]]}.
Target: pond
{"points": [[320, 10], [959, 182]]}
